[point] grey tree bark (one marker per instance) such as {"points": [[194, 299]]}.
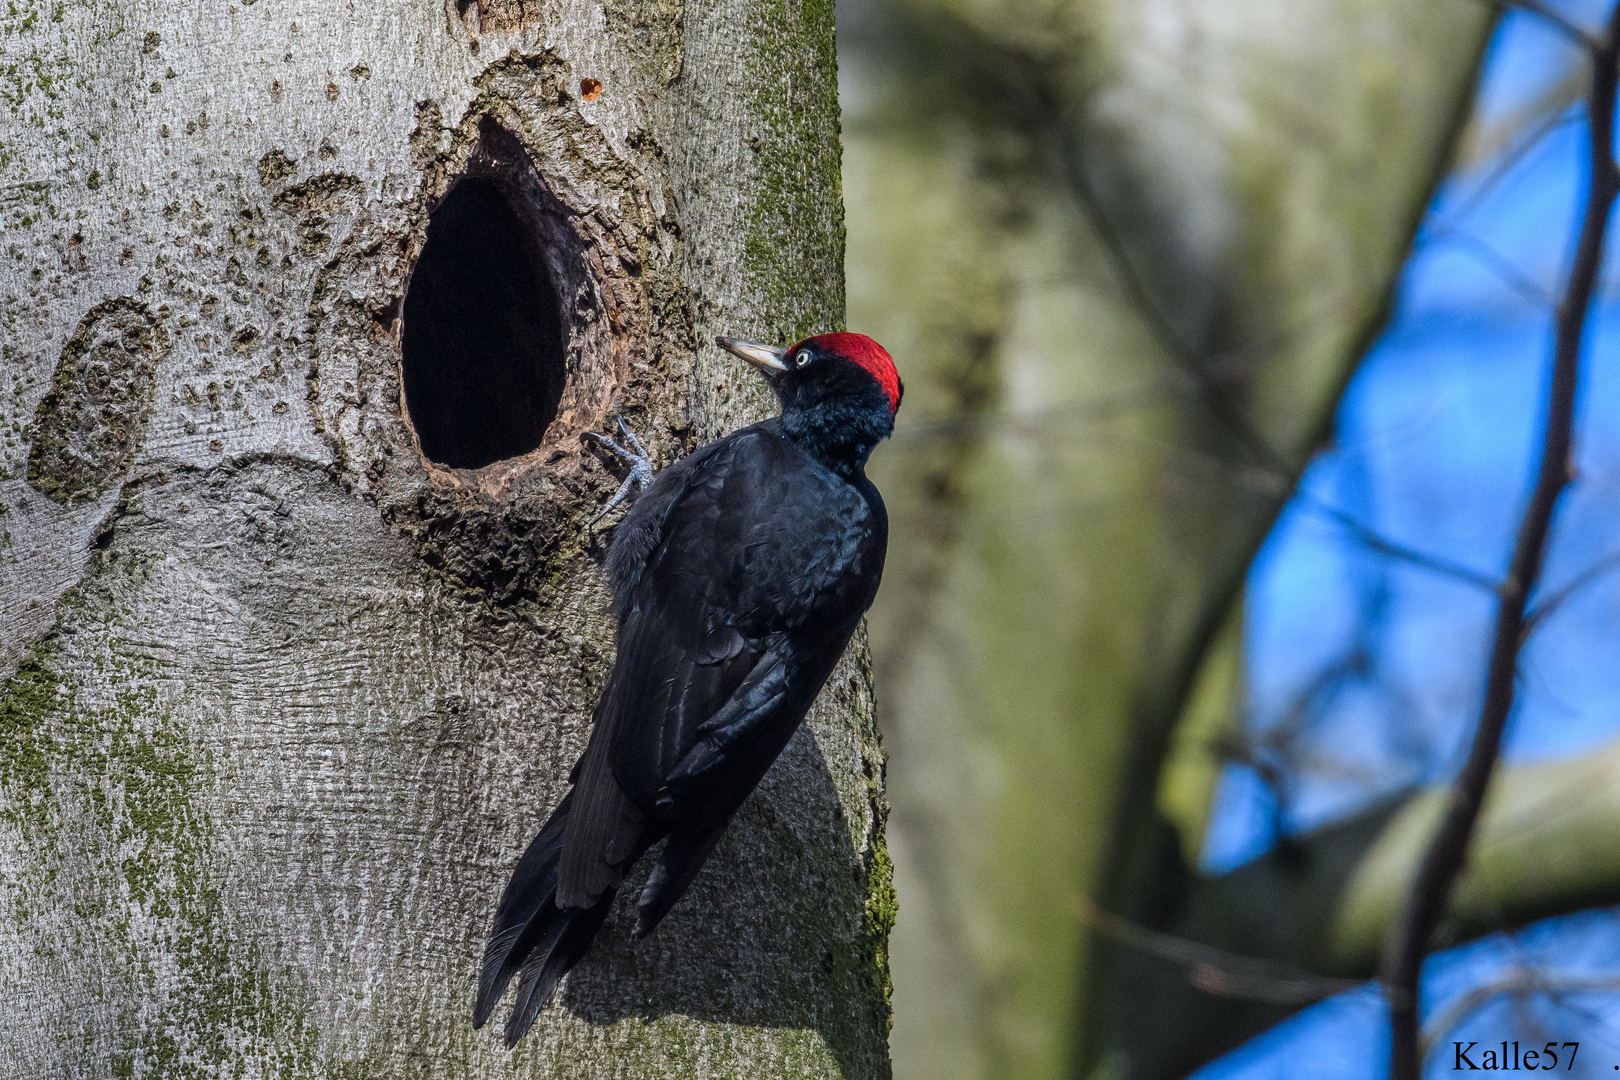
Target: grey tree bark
{"points": [[284, 699]]}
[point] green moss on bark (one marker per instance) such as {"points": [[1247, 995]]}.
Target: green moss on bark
{"points": [[104, 799], [29, 698], [793, 250], [882, 907]]}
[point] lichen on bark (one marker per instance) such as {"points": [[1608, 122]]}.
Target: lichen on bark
{"points": [[90, 421]]}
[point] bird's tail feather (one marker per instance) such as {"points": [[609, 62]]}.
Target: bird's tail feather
{"points": [[568, 936], [532, 935]]}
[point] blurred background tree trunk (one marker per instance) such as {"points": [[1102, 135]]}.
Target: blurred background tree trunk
{"points": [[1131, 253], [284, 699]]}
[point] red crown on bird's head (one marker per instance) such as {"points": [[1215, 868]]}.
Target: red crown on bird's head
{"points": [[862, 350]]}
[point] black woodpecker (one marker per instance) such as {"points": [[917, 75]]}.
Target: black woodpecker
{"points": [[738, 578]]}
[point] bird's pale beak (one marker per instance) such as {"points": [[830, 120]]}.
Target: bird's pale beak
{"points": [[768, 358]]}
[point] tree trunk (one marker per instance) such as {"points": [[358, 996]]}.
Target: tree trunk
{"points": [[301, 621]]}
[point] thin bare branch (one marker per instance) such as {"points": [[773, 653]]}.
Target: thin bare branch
{"points": [[1228, 366], [1032, 422], [1225, 411], [1550, 603], [1504, 144], [1375, 540], [1216, 971], [1510, 159], [1495, 262], [1448, 851], [1554, 18], [1524, 981]]}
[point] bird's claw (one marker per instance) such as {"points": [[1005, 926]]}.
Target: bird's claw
{"points": [[641, 467]]}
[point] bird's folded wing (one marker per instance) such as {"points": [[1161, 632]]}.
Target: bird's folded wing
{"points": [[726, 556]]}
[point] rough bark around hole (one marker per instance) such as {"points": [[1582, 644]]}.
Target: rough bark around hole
{"points": [[483, 348]]}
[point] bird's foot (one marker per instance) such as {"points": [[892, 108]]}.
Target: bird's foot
{"points": [[641, 467]]}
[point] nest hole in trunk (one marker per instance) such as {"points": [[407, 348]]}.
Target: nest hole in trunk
{"points": [[483, 341]]}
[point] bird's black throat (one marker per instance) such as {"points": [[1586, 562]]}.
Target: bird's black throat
{"points": [[838, 428]]}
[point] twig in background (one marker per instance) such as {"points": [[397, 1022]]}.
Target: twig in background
{"points": [[1550, 603], [1494, 261], [1554, 18], [1448, 851], [1376, 541], [1216, 971], [1139, 295], [1526, 981]]}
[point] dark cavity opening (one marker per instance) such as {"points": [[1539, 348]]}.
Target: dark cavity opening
{"points": [[482, 337]]}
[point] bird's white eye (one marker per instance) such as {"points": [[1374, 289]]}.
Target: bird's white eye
{"points": [[801, 358]]}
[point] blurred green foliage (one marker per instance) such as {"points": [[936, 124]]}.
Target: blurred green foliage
{"points": [[1126, 254]]}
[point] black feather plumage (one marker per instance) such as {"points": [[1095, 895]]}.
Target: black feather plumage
{"points": [[738, 579]]}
